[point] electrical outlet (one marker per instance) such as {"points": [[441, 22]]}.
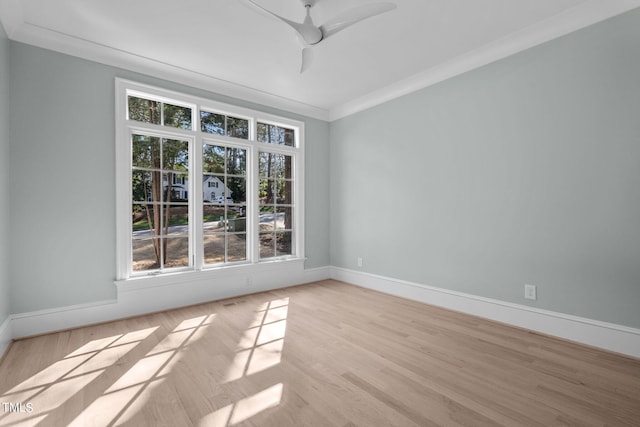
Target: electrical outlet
{"points": [[359, 262], [530, 292]]}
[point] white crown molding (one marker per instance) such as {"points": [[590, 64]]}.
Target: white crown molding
{"points": [[571, 20], [583, 15], [27, 33], [608, 336]]}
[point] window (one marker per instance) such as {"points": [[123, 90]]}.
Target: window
{"points": [[156, 208], [203, 185], [276, 204], [225, 222], [218, 123]]}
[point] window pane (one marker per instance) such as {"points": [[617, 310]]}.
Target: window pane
{"points": [[272, 134], [289, 137], [237, 223], [212, 123], [275, 165], [224, 231], [267, 218], [262, 132], [145, 151], [283, 243], [236, 161], [144, 222], [144, 254], [284, 218], [147, 187], [213, 218], [287, 172], [175, 155], [214, 248], [176, 187], [238, 128], [266, 191], [237, 247], [176, 252], [177, 117], [141, 185], [177, 217], [237, 190], [281, 166], [267, 249], [284, 192], [213, 159], [212, 187], [265, 164], [144, 110]]}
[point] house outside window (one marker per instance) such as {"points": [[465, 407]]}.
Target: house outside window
{"points": [[203, 185]]}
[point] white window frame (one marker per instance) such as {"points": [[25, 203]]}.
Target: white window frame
{"points": [[125, 128]]}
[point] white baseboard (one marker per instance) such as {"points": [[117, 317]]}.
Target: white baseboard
{"points": [[6, 335], [608, 336], [317, 274], [147, 295], [177, 291]]}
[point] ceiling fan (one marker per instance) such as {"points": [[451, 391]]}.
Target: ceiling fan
{"points": [[311, 34]]}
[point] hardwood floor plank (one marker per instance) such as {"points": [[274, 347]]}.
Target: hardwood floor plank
{"points": [[323, 354]]}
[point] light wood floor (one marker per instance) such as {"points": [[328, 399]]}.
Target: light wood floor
{"points": [[325, 354]]}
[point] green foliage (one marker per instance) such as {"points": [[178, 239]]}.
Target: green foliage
{"points": [[144, 110], [272, 134], [220, 124], [149, 111], [177, 117]]}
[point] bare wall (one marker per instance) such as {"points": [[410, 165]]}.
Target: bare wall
{"points": [[523, 171], [4, 177]]}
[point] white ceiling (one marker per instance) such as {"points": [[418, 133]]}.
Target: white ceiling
{"points": [[226, 47]]}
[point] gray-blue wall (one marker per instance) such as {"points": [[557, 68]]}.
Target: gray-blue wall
{"points": [[63, 183], [524, 171], [4, 176]]}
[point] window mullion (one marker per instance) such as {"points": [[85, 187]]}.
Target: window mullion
{"points": [[196, 205], [161, 202], [253, 209]]}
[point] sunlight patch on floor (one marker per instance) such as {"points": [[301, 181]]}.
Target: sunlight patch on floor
{"points": [[56, 384], [31, 422], [100, 412], [131, 391], [259, 348], [265, 356], [244, 409], [261, 345]]}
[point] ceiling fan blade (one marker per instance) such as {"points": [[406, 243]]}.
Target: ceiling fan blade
{"points": [[307, 59], [295, 25], [353, 16]]}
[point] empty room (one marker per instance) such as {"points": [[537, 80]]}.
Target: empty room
{"points": [[320, 213]]}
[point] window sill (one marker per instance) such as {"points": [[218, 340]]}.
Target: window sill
{"points": [[248, 276]]}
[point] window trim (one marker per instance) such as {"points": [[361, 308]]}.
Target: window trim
{"points": [[124, 128]]}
